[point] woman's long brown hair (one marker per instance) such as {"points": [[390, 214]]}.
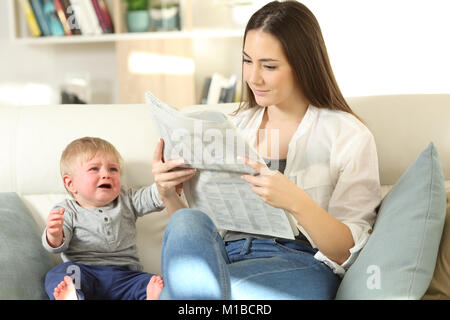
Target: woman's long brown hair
{"points": [[299, 33]]}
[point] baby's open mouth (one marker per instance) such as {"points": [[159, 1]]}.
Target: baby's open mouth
{"points": [[105, 186]]}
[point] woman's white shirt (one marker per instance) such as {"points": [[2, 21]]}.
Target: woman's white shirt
{"points": [[332, 156]]}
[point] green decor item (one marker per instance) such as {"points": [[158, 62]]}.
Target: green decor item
{"points": [[138, 18]]}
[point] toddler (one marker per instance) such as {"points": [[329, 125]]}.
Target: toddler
{"points": [[95, 231]]}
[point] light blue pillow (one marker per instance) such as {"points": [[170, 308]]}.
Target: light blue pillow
{"points": [[399, 258], [23, 260]]}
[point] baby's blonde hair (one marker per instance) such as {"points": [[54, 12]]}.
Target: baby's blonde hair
{"points": [[84, 149]]}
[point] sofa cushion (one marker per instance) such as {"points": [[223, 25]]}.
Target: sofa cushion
{"points": [[440, 284], [23, 260], [399, 258]]}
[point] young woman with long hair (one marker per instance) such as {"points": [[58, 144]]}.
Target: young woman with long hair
{"points": [[323, 173]]}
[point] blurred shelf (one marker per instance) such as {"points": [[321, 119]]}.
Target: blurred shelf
{"points": [[114, 37]]}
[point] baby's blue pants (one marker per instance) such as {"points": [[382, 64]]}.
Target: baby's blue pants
{"points": [[100, 282]]}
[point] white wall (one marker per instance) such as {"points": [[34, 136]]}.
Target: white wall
{"points": [[387, 46]]}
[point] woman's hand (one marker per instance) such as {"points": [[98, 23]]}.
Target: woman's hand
{"points": [[169, 183], [272, 186], [331, 236]]}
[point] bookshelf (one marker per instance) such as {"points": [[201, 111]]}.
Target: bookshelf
{"points": [[19, 31], [132, 85], [194, 34], [117, 10]]}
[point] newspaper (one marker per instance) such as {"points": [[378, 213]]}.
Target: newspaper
{"points": [[209, 142]]}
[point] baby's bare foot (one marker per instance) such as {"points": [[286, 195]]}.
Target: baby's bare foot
{"points": [[154, 287], [65, 290]]}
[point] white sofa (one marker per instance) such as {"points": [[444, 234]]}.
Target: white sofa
{"points": [[33, 137]]}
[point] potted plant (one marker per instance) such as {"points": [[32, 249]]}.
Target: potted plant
{"points": [[138, 18]]}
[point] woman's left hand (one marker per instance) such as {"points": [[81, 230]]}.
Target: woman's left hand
{"points": [[272, 186]]}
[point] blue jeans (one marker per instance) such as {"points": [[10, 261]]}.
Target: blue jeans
{"points": [[100, 282], [197, 264]]}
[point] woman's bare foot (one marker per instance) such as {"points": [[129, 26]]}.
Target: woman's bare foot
{"points": [[154, 287], [65, 290]]}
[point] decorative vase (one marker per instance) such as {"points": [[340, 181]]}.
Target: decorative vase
{"points": [[138, 21], [165, 18]]}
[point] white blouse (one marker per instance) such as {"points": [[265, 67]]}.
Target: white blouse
{"points": [[332, 156]]}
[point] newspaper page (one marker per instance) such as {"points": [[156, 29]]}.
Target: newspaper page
{"points": [[209, 142]]}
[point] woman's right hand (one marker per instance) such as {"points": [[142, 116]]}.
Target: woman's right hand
{"points": [[167, 181]]}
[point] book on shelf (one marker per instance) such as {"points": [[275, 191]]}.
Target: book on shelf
{"points": [[103, 16], [220, 89], [82, 10], [227, 93], [51, 17], [60, 11], [92, 16], [67, 17], [32, 23], [69, 27], [38, 10], [71, 17], [206, 85]]}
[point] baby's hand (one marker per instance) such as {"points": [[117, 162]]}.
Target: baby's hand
{"points": [[55, 221]]}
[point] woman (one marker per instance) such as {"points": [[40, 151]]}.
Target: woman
{"points": [[327, 178]]}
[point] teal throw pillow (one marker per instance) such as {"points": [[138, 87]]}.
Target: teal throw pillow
{"points": [[23, 260], [399, 258]]}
